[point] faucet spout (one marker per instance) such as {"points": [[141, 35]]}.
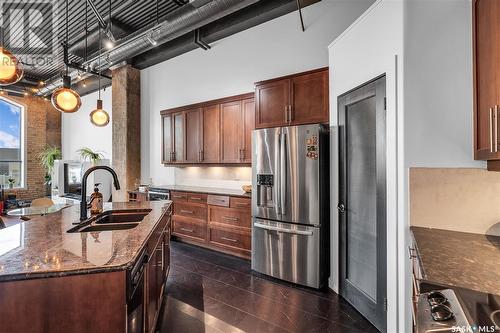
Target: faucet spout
{"points": [[83, 203]]}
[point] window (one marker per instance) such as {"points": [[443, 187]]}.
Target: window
{"points": [[11, 144]]}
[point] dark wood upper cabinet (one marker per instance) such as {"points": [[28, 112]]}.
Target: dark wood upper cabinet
{"points": [[309, 98], [231, 132], [211, 134], [271, 103], [167, 139], [486, 31], [292, 100], [214, 132], [248, 109], [194, 135], [179, 122]]}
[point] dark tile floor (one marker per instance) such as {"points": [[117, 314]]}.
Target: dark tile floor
{"points": [[211, 292]]}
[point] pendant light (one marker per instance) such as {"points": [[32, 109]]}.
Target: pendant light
{"points": [[11, 69], [99, 117], [65, 99]]}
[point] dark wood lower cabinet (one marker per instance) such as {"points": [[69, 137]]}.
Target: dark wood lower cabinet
{"points": [[96, 302], [224, 224]]}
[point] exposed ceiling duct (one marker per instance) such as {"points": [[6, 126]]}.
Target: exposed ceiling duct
{"points": [[187, 18], [90, 44]]}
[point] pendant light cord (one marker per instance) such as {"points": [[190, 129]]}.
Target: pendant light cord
{"points": [[99, 69], [67, 29]]}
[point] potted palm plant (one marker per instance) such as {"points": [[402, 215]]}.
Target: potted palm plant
{"points": [[87, 154], [47, 158]]}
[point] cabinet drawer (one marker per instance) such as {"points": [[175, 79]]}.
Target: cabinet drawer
{"points": [[234, 217], [190, 210], [240, 203], [193, 229], [226, 238], [179, 196], [218, 200], [197, 198]]}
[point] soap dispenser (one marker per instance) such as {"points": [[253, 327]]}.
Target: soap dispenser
{"points": [[96, 201]]}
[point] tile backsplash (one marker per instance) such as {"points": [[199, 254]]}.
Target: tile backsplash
{"points": [[224, 177], [466, 200]]}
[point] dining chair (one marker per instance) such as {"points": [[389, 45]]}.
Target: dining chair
{"points": [[42, 202]]}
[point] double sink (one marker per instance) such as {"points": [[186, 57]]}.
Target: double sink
{"points": [[121, 219]]}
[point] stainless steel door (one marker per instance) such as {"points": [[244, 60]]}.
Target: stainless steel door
{"points": [[287, 251], [362, 200], [289, 157]]}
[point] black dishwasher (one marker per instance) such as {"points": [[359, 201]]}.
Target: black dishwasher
{"points": [[135, 295]]}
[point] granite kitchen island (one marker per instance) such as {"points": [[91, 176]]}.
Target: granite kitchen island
{"points": [[88, 279]]}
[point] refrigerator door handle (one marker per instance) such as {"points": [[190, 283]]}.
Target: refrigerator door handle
{"points": [[288, 231], [278, 172], [283, 183]]}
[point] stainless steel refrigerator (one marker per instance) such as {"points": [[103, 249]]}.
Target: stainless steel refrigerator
{"points": [[290, 203]]}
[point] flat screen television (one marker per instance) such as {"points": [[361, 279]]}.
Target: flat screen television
{"points": [[73, 179]]}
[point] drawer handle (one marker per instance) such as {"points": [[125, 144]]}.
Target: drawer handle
{"points": [[242, 205], [230, 218], [187, 230], [186, 211], [229, 239], [196, 198], [179, 196]]}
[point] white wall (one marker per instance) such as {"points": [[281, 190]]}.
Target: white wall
{"points": [[438, 84], [272, 49], [373, 46], [78, 131]]}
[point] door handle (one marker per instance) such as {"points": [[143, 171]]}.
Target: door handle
{"points": [[495, 116], [289, 113], [341, 208], [283, 184], [288, 231], [491, 130], [286, 114]]}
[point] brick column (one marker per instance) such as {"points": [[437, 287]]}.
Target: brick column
{"points": [[126, 120]]}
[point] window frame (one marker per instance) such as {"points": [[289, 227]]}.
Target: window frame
{"points": [[22, 128]]}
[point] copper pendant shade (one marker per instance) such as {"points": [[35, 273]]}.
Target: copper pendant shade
{"points": [[65, 99], [99, 117], [11, 69]]}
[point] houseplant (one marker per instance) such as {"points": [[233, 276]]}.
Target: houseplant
{"points": [[11, 180], [87, 154], [47, 158]]}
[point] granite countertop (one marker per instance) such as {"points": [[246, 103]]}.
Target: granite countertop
{"points": [[459, 259], [42, 247], [207, 190]]}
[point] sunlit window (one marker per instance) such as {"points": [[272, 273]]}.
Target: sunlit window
{"points": [[11, 144]]}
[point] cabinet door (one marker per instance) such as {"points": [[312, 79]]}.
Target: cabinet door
{"points": [[486, 83], [309, 98], [231, 132], [167, 139], [211, 134], [179, 137], [194, 133], [271, 103], [248, 106], [152, 291]]}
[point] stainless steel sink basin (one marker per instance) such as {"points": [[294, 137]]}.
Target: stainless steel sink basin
{"points": [[112, 220]]}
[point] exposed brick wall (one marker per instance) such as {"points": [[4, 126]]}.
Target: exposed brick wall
{"points": [[43, 127]]}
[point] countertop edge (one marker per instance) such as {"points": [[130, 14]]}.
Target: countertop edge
{"points": [[16, 277]]}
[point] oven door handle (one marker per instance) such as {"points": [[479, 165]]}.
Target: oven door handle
{"points": [[288, 231]]}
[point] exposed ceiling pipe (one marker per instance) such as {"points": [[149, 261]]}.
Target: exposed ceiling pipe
{"points": [[185, 19], [77, 48]]}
